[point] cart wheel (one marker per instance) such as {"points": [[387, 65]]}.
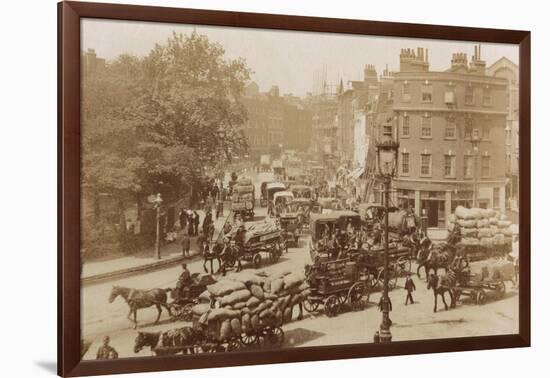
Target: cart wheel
{"points": [[276, 337], [310, 306], [481, 297], [501, 290], [177, 311], [332, 306], [403, 266], [233, 345], [356, 295], [257, 260], [249, 339], [187, 312]]}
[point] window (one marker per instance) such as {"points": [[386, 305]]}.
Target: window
{"points": [[468, 127], [449, 167], [485, 166], [468, 166], [450, 128], [405, 163], [486, 97], [406, 94], [388, 131], [469, 99], [405, 126], [426, 127], [496, 197], [486, 130], [426, 165], [426, 93]]}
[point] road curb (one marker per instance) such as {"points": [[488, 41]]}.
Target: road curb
{"points": [[103, 277], [122, 273]]}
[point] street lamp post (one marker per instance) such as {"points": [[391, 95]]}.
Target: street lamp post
{"points": [[157, 202], [475, 145], [386, 151]]}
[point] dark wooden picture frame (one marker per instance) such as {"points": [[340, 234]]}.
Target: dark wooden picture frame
{"points": [[69, 17]]}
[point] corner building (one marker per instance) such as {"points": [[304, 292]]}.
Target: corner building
{"points": [[451, 129]]}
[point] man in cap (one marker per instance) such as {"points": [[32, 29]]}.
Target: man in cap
{"points": [[105, 351]]}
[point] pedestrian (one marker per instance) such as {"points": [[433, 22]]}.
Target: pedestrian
{"points": [[191, 228], [409, 287], [183, 219], [197, 221], [185, 245], [105, 351]]}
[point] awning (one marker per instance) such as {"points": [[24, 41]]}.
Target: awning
{"points": [[356, 173]]}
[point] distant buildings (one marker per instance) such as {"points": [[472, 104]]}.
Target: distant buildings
{"points": [[275, 121], [90, 63], [504, 68]]}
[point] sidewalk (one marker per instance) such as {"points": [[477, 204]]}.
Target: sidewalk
{"points": [[97, 271]]}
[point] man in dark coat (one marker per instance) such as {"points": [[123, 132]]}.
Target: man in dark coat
{"points": [[410, 287], [106, 352], [183, 219], [191, 228], [197, 221]]}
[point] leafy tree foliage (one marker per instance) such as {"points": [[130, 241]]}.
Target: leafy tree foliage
{"points": [[167, 117]]}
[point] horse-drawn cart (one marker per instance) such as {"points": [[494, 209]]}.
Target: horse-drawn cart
{"points": [[334, 284], [263, 246], [371, 263], [480, 279], [188, 296]]}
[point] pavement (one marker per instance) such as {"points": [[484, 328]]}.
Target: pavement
{"points": [[104, 270]]}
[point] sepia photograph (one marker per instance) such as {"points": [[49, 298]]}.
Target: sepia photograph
{"points": [[252, 189]]}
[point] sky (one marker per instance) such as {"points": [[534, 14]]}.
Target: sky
{"points": [[295, 61]]}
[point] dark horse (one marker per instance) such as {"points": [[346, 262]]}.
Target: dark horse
{"points": [[211, 255], [174, 341], [433, 257], [442, 284], [138, 299]]}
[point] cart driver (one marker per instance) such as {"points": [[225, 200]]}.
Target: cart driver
{"points": [[184, 281]]}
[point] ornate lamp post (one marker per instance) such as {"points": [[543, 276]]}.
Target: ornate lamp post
{"points": [[386, 152], [475, 145], [157, 203]]}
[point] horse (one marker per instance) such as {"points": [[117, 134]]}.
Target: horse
{"points": [[213, 254], [441, 284], [170, 342], [434, 257], [138, 299]]}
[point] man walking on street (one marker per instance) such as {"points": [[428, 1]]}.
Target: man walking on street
{"points": [[197, 221], [410, 287], [185, 245]]}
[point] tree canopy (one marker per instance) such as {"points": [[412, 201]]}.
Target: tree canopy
{"points": [[164, 117]]}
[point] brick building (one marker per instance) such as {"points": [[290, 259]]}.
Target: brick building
{"points": [[352, 102], [438, 116], [275, 120]]}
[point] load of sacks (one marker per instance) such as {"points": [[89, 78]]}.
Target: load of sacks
{"points": [[246, 302], [485, 227], [492, 269]]}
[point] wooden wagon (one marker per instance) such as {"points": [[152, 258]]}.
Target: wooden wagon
{"points": [[334, 285]]}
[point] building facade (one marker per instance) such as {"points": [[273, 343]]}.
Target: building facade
{"points": [[275, 121], [506, 69], [451, 126]]}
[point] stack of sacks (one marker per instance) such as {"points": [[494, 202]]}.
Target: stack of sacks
{"points": [[485, 227], [492, 269], [247, 302]]}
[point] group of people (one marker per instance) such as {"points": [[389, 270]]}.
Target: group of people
{"points": [[337, 242]]}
